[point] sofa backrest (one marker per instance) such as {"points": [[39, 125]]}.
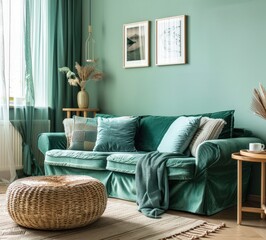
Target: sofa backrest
{"points": [[151, 129]]}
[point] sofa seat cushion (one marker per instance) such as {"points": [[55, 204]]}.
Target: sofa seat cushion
{"points": [[123, 162], [77, 159], [181, 168]]}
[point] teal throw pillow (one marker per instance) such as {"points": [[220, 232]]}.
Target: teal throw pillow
{"points": [[151, 131], [179, 135], [104, 115], [84, 134], [116, 134]]}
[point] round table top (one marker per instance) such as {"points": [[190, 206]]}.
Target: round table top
{"points": [[82, 109], [245, 155]]}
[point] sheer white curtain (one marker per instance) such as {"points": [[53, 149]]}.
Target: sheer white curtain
{"points": [[23, 76], [39, 46], [7, 165], [14, 37], [31, 116]]}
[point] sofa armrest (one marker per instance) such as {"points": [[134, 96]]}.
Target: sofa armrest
{"points": [[216, 154], [52, 140]]}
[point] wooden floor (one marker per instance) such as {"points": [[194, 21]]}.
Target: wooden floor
{"points": [[2, 189], [252, 226]]}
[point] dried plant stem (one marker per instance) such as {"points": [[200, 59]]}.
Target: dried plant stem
{"points": [[85, 73], [258, 105]]}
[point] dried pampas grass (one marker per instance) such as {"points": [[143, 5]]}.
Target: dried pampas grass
{"points": [[258, 105], [88, 72], [85, 73]]}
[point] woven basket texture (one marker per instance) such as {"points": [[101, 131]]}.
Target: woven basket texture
{"points": [[56, 202]]}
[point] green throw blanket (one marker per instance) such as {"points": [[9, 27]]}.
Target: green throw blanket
{"points": [[152, 183]]}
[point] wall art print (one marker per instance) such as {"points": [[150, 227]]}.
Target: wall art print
{"points": [[136, 48], [171, 40]]}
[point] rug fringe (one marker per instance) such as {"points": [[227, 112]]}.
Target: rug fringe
{"points": [[12, 231], [197, 232]]}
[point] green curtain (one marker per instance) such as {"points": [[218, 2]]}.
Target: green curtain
{"points": [[24, 115], [65, 43]]}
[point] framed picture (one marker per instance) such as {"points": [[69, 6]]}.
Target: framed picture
{"points": [[136, 44], [171, 40]]}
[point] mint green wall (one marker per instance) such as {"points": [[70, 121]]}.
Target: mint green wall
{"points": [[226, 60], [91, 86]]}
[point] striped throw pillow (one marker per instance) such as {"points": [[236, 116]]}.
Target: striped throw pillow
{"points": [[209, 128]]}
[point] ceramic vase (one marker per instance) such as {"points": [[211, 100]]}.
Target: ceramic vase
{"points": [[83, 99]]}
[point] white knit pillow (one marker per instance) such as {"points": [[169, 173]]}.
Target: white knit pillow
{"points": [[68, 127], [209, 128]]}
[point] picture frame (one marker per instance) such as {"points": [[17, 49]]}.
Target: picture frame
{"points": [[171, 40], [136, 44]]}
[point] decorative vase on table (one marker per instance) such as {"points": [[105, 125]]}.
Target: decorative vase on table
{"points": [[83, 98], [85, 73]]}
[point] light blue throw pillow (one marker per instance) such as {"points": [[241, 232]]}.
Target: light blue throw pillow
{"points": [[179, 135], [116, 134]]}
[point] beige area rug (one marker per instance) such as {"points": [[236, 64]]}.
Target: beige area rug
{"points": [[119, 222]]}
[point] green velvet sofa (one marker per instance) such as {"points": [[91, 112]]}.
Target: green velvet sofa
{"points": [[204, 184]]}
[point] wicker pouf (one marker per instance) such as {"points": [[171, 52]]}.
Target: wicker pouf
{"points": [[56, 202]]}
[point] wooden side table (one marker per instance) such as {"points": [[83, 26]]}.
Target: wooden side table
{"points": [[80, 110], [246, 156]]}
